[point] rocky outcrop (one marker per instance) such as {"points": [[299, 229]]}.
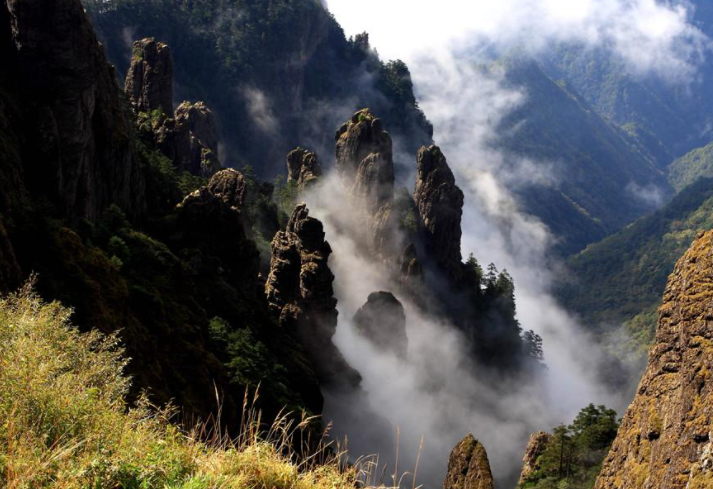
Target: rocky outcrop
{"points": [[365, 165], [440, 205], [299, 291], [188, 136], [365, 160], [468, 466], [229, 185], [664, 440], [303, 168], [535, 447], [149, 81], [411, 270], [77, 143], [382, 321]]}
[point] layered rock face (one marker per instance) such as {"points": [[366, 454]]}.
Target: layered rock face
{"points": [[665, 437], [149, 82], [303, 168], [299, 291], [76, 144], [382, 321], [468, 466], [440, 205], [535, 447], [188, 136]]}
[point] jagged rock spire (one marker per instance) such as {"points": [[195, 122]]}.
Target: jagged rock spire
{"points": [[382, 321], [440, 206], [664, 440], [468, 466], [303, 167], [299, 291], [149, 81]]}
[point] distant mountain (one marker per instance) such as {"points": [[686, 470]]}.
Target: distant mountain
{"points": [[620, 280], [668, 116], [690, 167], [599, 180]]}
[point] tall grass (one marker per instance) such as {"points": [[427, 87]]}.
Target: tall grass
{"points": [[64, 422]]}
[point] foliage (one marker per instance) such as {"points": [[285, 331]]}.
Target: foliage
{"points": [[66, 424], [621, 280], [573, 456], [690, 167]]}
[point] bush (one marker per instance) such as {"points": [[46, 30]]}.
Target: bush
{"points": [[66, 424]]}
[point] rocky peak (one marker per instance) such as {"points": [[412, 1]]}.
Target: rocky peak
{"points": [[382, 321], [468, 466], [535, 447], [149, 81], [303, 168], [440, 206], [188, 136], [229, 185], [299, 292], [363, 137], [410, 269], [664, 440]]}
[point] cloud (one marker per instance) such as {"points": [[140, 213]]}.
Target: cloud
{"points": [[260, 110], [648, 35]]}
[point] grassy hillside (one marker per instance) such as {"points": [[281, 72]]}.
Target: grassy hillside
{"points": [[596, 169], [621, 279], [66, 424], [690, 167]]}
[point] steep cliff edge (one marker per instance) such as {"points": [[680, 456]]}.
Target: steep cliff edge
{"points": [[73, 134], [665, 437]]}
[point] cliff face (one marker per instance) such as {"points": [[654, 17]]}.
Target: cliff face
{"points": [[303, 168], [535, 447], [665, 437], [468, 466], [76, 139]]}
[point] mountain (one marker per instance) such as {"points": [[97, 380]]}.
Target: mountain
{"points": [[668, 113], [664, 438], [620, 279], [598, 179], [691, 166], [277, 74]]}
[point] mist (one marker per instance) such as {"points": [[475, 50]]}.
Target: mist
{"points": [[438, 392]]}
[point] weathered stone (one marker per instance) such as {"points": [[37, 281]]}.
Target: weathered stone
{"points": [[535, 447], [382, 321], [303, 168], [411, 269], [440, 205], [468, 466], [198, 122], [149, 81], [299, 291], [664, 440], [229, 185]]}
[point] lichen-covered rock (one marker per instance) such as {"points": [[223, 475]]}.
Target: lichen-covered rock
{"points": [[440, 205], [149, 81], [77, 138], [382, 321], [535, 447], [299, 291], [303, 168], [664, 440], [229, 185], [468, 466]]}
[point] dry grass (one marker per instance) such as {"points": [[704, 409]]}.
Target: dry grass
{"points": [[64, 422]]}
